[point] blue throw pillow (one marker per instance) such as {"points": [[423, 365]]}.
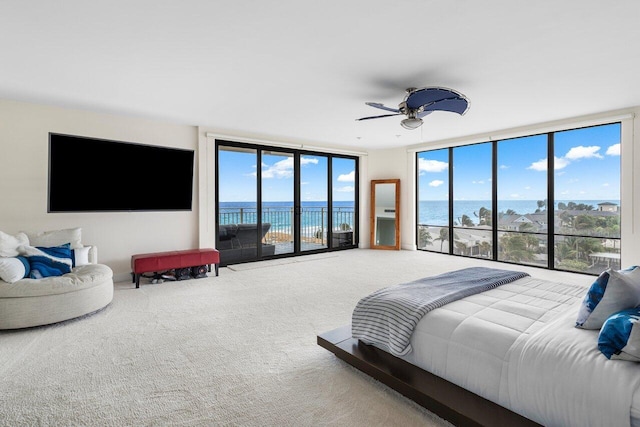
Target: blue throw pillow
{"points": [[620, 335], [47, 262], [613, 290]]}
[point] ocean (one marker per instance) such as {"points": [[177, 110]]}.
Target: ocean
{"points": [[314, 214], [436, 212], [280, 214]]}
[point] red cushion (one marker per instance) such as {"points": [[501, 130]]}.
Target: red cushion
{"points": [[160, 261]]}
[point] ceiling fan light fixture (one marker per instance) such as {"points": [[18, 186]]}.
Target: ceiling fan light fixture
{"points": [[411, 123]]}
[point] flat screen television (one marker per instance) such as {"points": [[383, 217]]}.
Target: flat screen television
{"points": [[97, 175]]}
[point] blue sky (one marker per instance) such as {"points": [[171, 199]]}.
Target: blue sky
{"points": [[587, 167], [238, 175]]}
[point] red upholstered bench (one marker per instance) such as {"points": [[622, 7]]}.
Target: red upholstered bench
{"points": [[163, 261]]}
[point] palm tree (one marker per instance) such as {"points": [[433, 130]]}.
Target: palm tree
{"points": [[444, 236], [461, 247], [485, 248], [515, 248], [484, 215], [466, 221], [424, 237]]}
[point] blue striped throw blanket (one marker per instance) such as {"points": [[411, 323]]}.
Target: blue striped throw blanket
{"points": [[389, 315]]}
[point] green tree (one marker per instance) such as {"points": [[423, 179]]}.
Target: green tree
{"points": [[484, 216], [466, 221], [424, 237], [514, 247], [443, 237]]}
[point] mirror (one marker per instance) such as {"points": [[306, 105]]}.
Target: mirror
{"points": [[385, 214]]}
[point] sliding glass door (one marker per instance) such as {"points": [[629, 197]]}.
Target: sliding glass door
{"points": [[278, 200], [273, 202]]}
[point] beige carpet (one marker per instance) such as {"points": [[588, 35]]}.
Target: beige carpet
{"points": [[235, 350]]}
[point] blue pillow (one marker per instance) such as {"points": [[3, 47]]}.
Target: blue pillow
{"points": [[620, 335], [613, 290], [47, 262]]}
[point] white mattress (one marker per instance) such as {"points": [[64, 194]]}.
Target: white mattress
{"points": [[517, 346]]}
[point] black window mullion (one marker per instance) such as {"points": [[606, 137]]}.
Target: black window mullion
{"points": [[330, 201], [494, 201], [451, 245], [297, 208], [259, 203], [551, 215]]}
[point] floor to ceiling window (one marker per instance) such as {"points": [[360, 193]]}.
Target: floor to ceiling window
{"points": [[522, 200], [274, 202], [550, 200]]}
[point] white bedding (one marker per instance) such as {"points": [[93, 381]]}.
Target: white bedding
{"points": [[517, 346]]}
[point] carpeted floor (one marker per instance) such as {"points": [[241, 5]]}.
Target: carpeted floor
{"points": [[235, 350]]}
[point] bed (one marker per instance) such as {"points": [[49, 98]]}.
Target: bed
{"points": [[510, 355]]}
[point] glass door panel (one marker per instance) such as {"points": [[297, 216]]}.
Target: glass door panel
{"points": [[277, 202], [523, 219], [344, 202], [433, 200], [472, 200], [238, 235], [314, 202]]}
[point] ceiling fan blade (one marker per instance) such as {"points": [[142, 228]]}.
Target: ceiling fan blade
{"points": [[377, 117], [382, 107], [455, 105], [428, 95]]}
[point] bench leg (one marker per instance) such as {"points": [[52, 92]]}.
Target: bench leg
{"points": [[137, 280], [216, 267]]}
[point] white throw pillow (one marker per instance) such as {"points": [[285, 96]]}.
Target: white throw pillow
{"points": [[612, 291], [49, 239], [11, 269], [9, 244], [81, 256]]}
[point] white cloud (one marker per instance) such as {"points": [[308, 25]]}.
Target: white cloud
{"points": [[514, 195], [527, 188], [477, 182], [436, 183], [345, 189], [613, 150], [425, 165], [348, 177], [541, 165], [582, 152], [306, 160], [280, 169], [504, 167]]}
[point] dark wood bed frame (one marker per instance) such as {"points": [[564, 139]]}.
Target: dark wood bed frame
{"points": [[449, 401]]}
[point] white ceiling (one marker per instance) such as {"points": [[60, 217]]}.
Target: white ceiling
{"points": [[294, 70]]}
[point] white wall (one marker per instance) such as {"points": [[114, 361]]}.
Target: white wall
{"points": [[400, 163], [392, 164], [24, 138]]}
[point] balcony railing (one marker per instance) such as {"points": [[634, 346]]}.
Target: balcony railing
{"points": [[313, 221]]}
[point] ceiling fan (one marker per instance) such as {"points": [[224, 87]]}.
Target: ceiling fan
{"points": [[417, 103]]}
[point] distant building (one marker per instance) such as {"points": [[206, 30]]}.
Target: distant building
{"points": [[607, 207]]}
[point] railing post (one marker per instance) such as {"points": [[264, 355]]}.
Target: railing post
{"points": [[322, 225]]}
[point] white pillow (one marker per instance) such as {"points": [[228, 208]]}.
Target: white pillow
{"points": [[81, 256], [612, 291], [11, 269], [49, 239], [9, 244]]}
